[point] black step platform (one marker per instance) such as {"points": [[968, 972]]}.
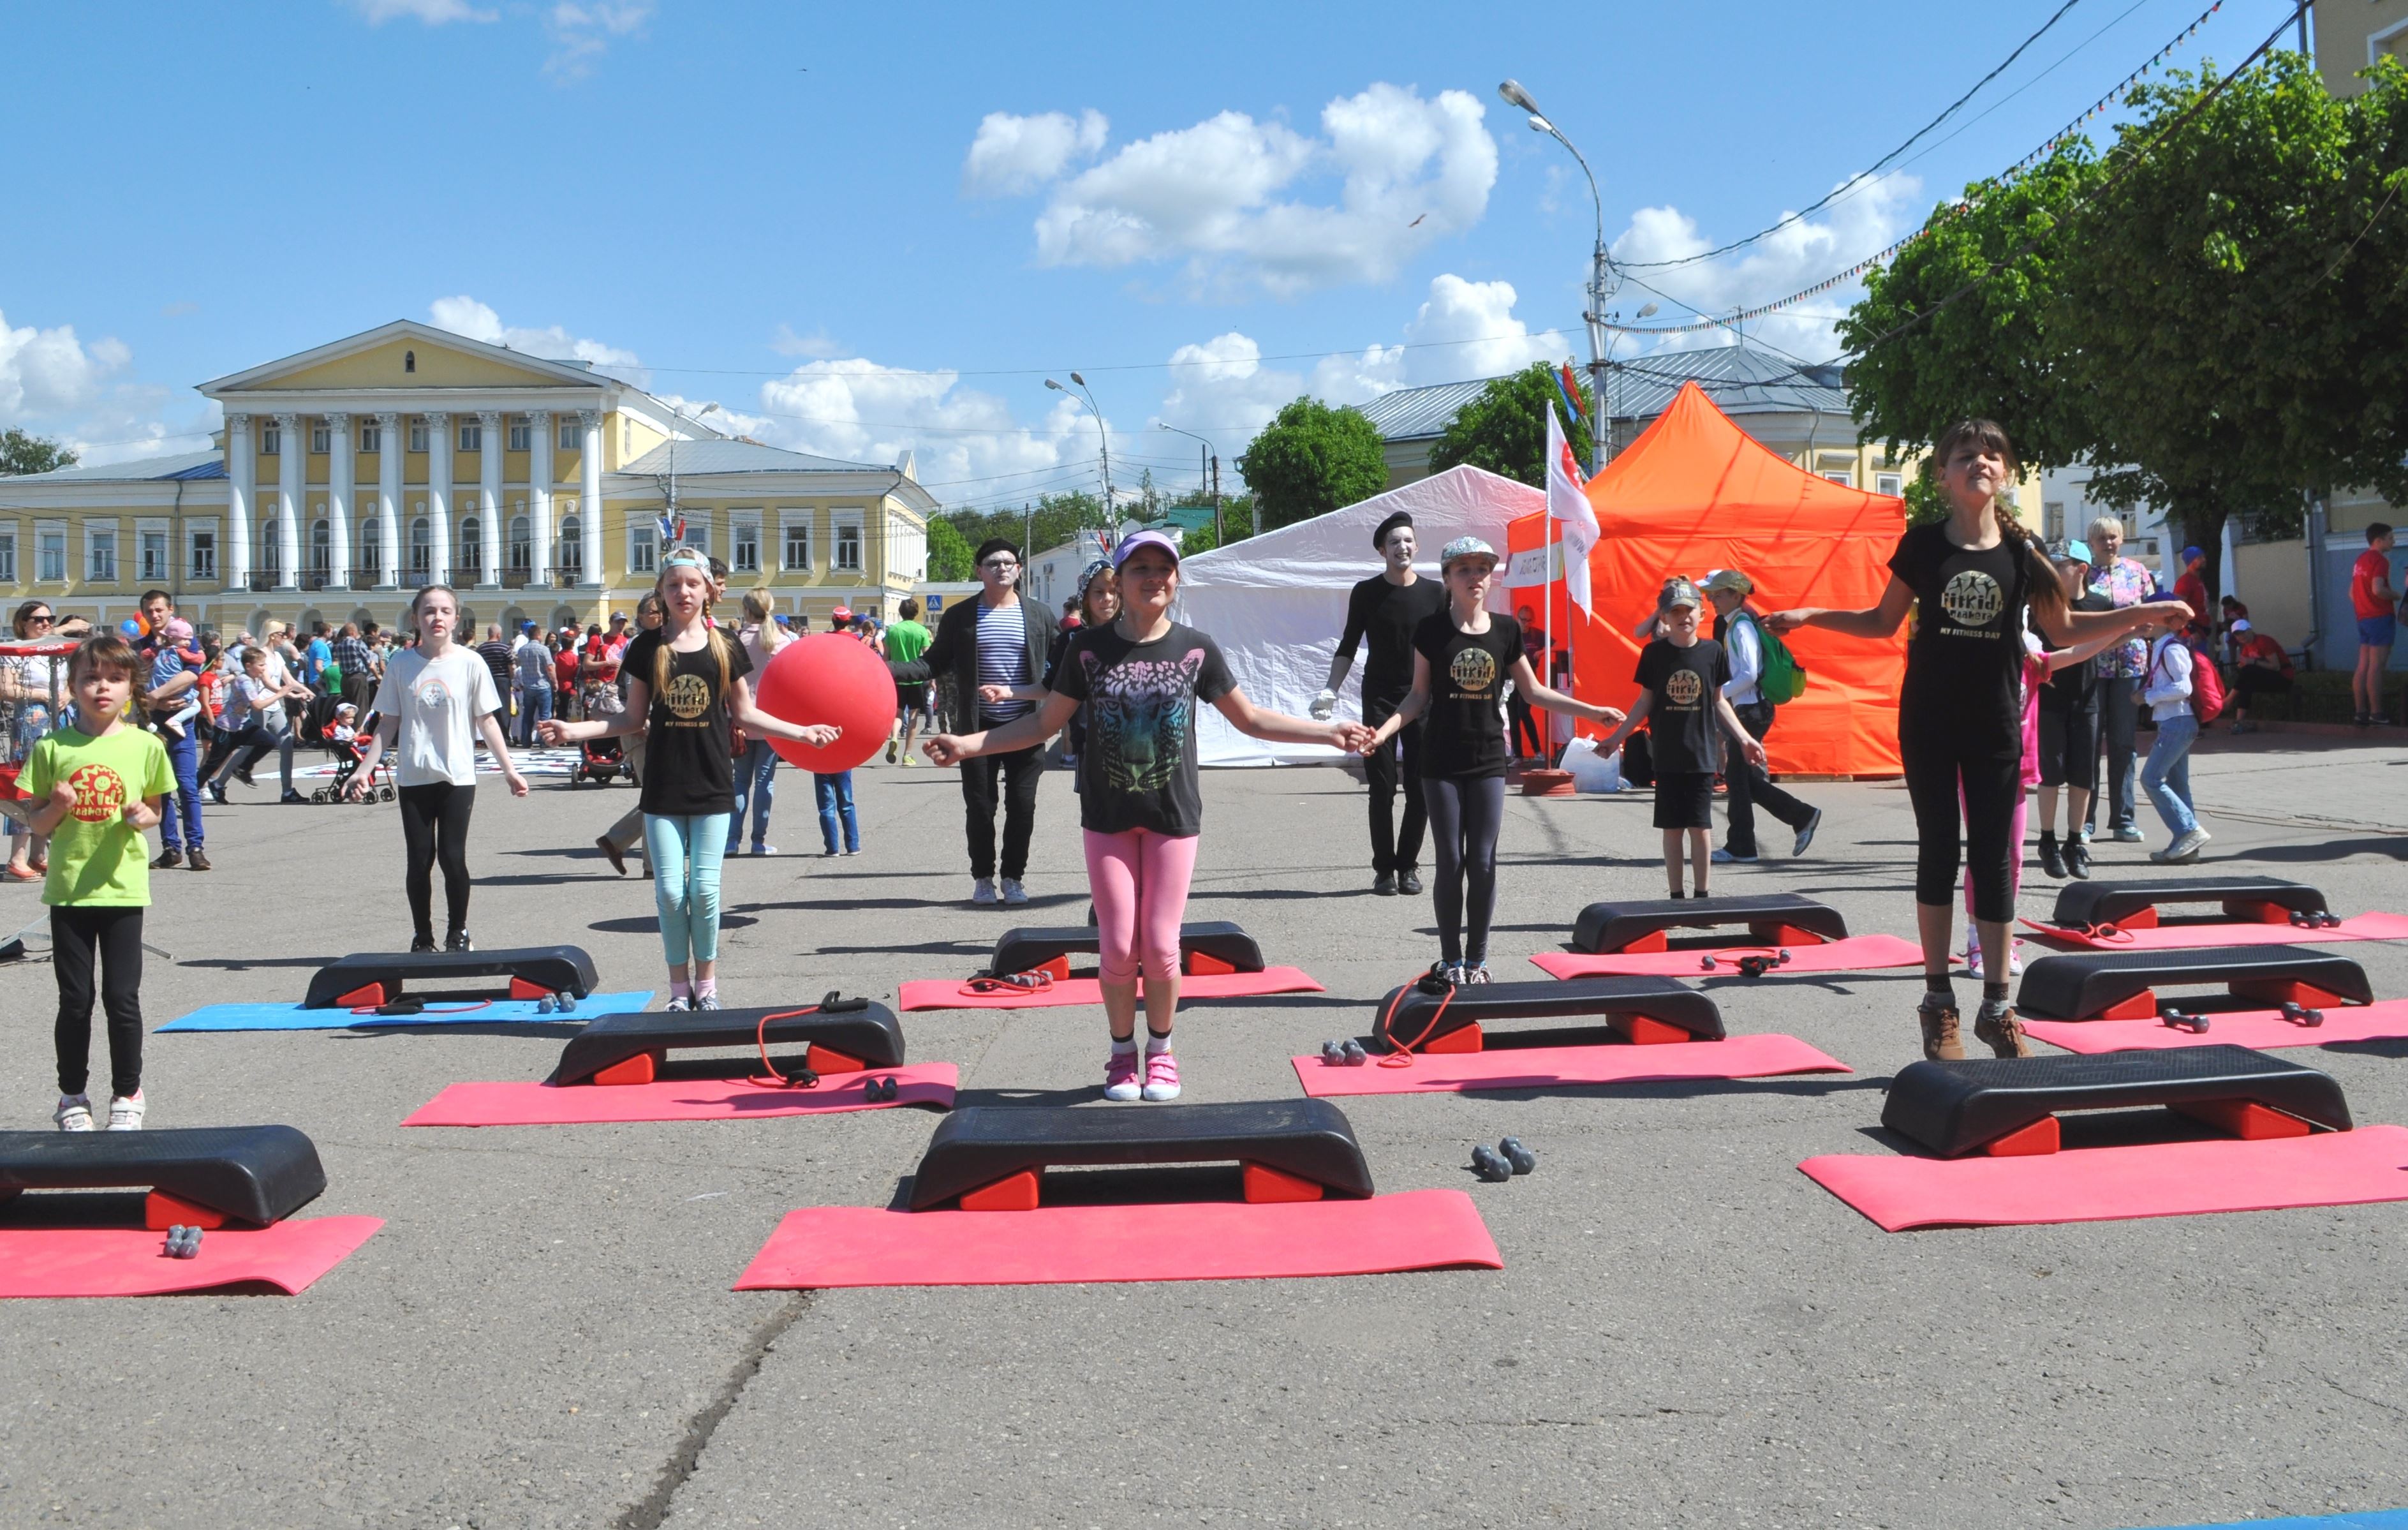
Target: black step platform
{"points": [[982, 1145], [2121, 985], [1644, 1008], [247, 1174], [533, 971], [2134, 905], [1773, 918], [1955, 1108], [1224, 947], [607, 1050]]}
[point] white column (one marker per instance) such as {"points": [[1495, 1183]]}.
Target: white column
{"points": [[489, 469], [540, 493], [234, 568], [589, 525], [338, 501], [388, 445], [292, 452], [438, 493]]}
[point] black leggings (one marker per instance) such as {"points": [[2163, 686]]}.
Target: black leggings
{"points": [[435, 826], [1937, 759], [116, 934], [1465, 814]]}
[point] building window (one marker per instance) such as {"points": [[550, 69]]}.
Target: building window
{"points": [[322, 439], [271, 441], [848, 546], [418, 435], [371, 437], [410, 361], [270, 551], [422, 549], [321, 548], [522, 436], [7, 554], [372, 548], [1842, 476], [572, 435], [744, 546], [54, 554], [201, 556], [798, 545], [626, 436], [469, 558], [1890, 483], [570, 556], [472, 437], [100, 558], [155, 556], [522, 549], [644, 549]]}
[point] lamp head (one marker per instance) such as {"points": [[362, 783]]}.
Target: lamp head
{"points": [[1055, 386], [1647, 312], [1080, 380], [1539, 124], [1516, 96]]}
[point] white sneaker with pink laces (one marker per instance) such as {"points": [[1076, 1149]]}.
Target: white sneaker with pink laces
{"points": [[1161, 1076], [1120, 1074]]}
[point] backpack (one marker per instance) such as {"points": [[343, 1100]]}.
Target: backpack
{"points": [[2206, 683], [1782, 679]]}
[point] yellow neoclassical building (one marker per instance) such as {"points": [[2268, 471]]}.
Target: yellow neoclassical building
{"points": [[347, 476]]}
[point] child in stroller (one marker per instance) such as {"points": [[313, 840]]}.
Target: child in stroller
{"points": [[335, 725]]}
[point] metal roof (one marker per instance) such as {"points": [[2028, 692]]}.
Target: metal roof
{"points": [[184, 465], [1416, 413], [741, 456], [1738, 379]]}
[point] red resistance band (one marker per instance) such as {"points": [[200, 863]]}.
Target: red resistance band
{"points": [[1035, 981], [806, 1079], [1400, 1053]]}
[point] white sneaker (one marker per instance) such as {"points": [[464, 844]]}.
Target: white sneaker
{"points": [[677, 1005], [2182, 851], [1120, 1075], [73, 1113], [1161, 1076], [1013, 893], [125, 1112], [983, 892], [1724, 858]]}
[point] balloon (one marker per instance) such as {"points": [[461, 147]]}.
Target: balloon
{"points": [[828, 678], [135, 629]]}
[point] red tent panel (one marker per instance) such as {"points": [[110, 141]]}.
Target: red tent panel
{"points": [[1696, 493]]}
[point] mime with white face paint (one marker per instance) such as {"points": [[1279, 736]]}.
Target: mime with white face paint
{"points": [[1385, 609]]}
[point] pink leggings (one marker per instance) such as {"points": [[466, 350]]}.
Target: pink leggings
{"points": [[1139, 880], [2014, 852]]}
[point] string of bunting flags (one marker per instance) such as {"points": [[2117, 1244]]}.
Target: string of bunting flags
{"points": [[2004, 178]]}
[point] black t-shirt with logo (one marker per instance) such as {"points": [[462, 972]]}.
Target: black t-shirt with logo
{"points": [[688, 772], [1683, 685], [1963, 665], [1468, 675]]}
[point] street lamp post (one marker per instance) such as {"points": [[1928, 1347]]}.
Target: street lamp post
{"points": [[1603, 280], [1103, 444], [1212, 470], [1605, 400]]}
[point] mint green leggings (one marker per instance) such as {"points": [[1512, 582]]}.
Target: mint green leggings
{"points": [[685, 854]]}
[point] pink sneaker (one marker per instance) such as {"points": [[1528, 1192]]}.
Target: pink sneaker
{"points": [[1120, 1074], [1161, 1076]]}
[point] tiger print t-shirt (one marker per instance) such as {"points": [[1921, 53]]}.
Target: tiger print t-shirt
{"points": [[1964, 666], [688, 772], [1137, 770]]}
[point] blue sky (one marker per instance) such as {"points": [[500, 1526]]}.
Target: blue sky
{"points": [[860, 234]]}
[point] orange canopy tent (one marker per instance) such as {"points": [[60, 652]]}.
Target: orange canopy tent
{"points": [[1696, 493]]}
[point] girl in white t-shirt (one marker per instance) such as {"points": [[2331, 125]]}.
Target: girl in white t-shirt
{"points": [[433, 704]]}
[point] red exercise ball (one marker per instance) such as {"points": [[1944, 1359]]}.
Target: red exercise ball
{"points": [[828, 678]]}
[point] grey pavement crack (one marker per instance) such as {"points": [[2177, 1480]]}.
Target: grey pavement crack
{"points": [[650, 1511]]}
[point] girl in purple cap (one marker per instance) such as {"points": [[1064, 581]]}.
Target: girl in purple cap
{"points": [[1140, 676]]}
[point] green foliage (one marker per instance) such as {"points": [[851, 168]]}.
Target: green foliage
{"points": [[948, 556], [1048, 522], [20, 453], [1237, 525], [1310, 460], [1504, 429], [1925, 502]]}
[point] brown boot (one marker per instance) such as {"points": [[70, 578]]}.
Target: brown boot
{"points": [[2002, 1030], [195, 860], [1941, 1043]]}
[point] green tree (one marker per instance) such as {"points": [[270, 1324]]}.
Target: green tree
{"points": [[1310, 460], [1505, 428], [1237, 525], [20, 453], [1047, 522], [948, 556]]}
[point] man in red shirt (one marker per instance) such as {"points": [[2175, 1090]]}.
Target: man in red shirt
{"points": [[2372, 598], [2190, 585], [2259, 666]]}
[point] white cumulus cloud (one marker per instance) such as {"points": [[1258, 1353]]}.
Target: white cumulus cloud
{"points": [[464, 315], [432, 12], [80, 394], [1012, 155], [580, 32], [1243, 205]]}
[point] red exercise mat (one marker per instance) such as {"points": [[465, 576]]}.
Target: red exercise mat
{"points": [[2108, 1184], [1856, 953], [948, 993], [678, 1099], [2263, 1029], [2189, 938], [128, 1262], [1213, 1240], [1537, 1067]]}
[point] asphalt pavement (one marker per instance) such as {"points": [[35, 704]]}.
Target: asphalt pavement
{"points": [[1686, 1331]]}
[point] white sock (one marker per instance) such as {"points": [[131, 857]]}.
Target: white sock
{"points": [[680, 988], [1128, 1046], [706, 988], [1155, 1044]]}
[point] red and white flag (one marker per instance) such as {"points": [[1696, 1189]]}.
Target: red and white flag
{"points": [[1568, 503]]}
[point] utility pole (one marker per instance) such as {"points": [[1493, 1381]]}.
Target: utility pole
{"points": [[1216, 499], [1210, 462], [1603, 281]]}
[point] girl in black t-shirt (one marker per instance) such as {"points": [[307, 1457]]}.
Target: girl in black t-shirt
{"points": [[687, 691], [1972, 578], [1140, 677], [1462, 657]]}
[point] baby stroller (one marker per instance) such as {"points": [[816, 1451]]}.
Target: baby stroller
{"points": [[318, 729], [598, 761]]}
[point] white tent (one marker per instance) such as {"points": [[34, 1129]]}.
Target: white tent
{"points": [[1277, 602]]}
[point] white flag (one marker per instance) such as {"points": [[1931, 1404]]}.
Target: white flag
{"points": [[1568, 504]]}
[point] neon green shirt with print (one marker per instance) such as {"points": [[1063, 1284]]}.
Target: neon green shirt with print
{"points": [[905, 641], [98, 859]]}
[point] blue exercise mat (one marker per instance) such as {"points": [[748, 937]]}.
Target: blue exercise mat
{"points": [[441, 1012], [2378, 1518]]}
